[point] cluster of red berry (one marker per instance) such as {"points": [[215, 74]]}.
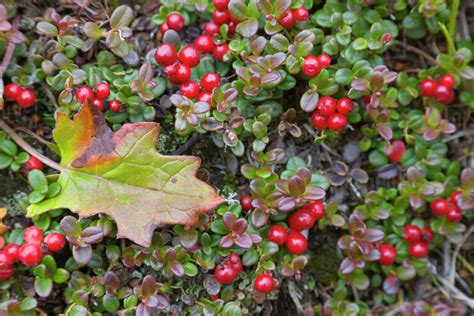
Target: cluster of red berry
{"points": [[220, 16], [102, 92], [23, 96], [32, 163], [228, 269], [312, 65], [441, 91], [30, 253], [331, 114], [449, 209], [290, 17], [418, 240]]}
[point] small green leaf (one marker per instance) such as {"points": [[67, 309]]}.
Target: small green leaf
{"points": [[47, 28], [121, 17], [43, 286]]}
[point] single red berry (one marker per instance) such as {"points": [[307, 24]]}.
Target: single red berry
{"points": [[11, 251], [311, 66], [220, 4], [412, 233], [316, 209], [388, 254], [220, 50], [428, 87], [455, 197], [327, 106], [164, 28], [84, 94], [301, 14], [169, 70], [189, 56], [115, 105], [454, 214], [345, 106], [102, 90], [98, 103], [204, 44], [439, 207], [324, 60], [447, 80], [418, 249], [175, 21], [264, 283], [210, 81], [337, 122], [296, 243], [236, 263], [25, 98], [220, 17], [181, 75], [246, 202], [301, 220], [211, 28], [5, 259], [451, 97], [232, 27], [398, 150], [55, 242], [427, 234], [442, 94], [33, 163], [224, 273], [6, 272], [288, 19], [319, 121], [30, 254], [166, 54], [205, 96], [11, 91], [277, 234], [189, 89], [33, 235]]}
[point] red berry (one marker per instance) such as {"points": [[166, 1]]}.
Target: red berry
{"points": [[189, 89], [169, 70], [451, 97], [220, 4], [301, 220], [5, 259], [326, 106], [301, 14], [220, 17], [296, 243], [166, 54], [418, 249], [33, 163], [84, 94], [337, 122], [115, 105], [98, 103], [439, 207], [398, 150], [164, 28], [454, 214], [442, 94], [224, 273], [427, 234], [204, 44], [189, 56], [30, 254], [25, 98], [102, 90], [205, 97], [236, 263], [324, 60], [264, 283], [287, 20], [316, 209], [55, 242], [388, 254], [6, 272], [210, 81], [367, 99], [455, 197], [246, 203], [181, 75], [277, 234], [211, 28], [412, 233], [319, 121], [175, 21], [232, 26], [11, 251], [33, 235], [428, 87], [447, 80], [386, 38], [220, 50], [11, 91], [311, 66], [345, 106]]}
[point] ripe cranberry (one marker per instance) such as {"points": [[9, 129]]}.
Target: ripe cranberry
{"points": [[232, 26], [98, 103], [211, 28], [224, 273], [439, 207], [30, 254], [205, 97], [388, 254], [427, 234], [236, 263], [451, 97], [210, 81], [264, 283], [204, 44], [11, 91], [220, 50], [25, 98], [296, 243], [428, 87], [55, 242], [115, 105], [398, 150], [442, 94], [33, 163], [166, 54], [11, 251], [181, 75], [447, 80], [169, 70], [5, 259], [418, 249], [316, 209], [220, 17], [345, 106], [189, 89], [6, 272], [189, 56], [277, 234], [455, 197], [164, 28], [288, 19], [311, 66], [84, 94], [326, 106], [220, 4], [319, 121], [324, 60], [337, 122], [454, 214], [301, 14], [102, 90], [33, 235], [246, 203], [175, 21], [412, 233], [301, 220]]}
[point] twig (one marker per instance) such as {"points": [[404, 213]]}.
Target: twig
{"points": [[463, 133], [446, 257], [10, 48], [34, 135], [50, 95], [413, 49], [181, 149], [466, 235]]}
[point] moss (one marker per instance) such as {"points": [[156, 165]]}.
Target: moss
{"points": [[324, 264], [168, 140]]}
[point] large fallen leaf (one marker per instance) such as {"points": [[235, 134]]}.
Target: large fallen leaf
{"points": [[122, 175]]}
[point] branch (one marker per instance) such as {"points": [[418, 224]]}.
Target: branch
{"points": [[413, 49], [466, 235], [10, 48]]}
